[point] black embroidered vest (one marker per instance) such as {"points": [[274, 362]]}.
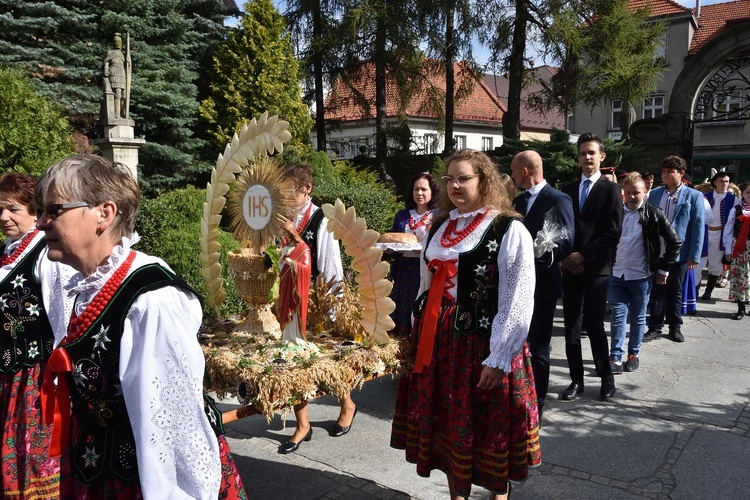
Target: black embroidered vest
{"points": [[310, 236], [105, 440], [477, 282], [26, 337], [737, 224]]}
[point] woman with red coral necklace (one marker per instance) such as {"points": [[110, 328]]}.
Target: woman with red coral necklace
{"points": [[468, 408], [415, 219], [25, 343], [127, 405]]}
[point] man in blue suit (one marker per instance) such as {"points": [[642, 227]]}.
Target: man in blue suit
{"points": [[683, 207], [539, 203]]}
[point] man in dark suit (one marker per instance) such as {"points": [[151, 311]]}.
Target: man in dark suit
{"points": [[597, 207], [539, 203]]}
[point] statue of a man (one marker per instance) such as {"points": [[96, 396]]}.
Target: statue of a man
{"points": [[115, 76]]}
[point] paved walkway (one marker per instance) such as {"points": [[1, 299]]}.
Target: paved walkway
{"points": [[679, 427]]}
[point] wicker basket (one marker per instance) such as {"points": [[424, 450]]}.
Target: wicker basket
{"points": [[251, 278]]}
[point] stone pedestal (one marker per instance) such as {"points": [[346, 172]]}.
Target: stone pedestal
{"points": [[119, 143]]}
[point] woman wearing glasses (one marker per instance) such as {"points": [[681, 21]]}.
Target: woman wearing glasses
{"points": [[127, 402], [26, 341], [311, 226], [415, 219], [468, 408]]}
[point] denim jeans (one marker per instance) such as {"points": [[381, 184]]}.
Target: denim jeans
{"points": [[629, 295]]}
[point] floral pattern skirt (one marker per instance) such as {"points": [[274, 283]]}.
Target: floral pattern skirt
{"points": [[739, 275], [111, 487], [28, 472], [445, 422]]}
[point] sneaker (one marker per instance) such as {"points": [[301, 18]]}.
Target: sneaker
{"points": [[676, 335], [631, 364], [651, 335], [616, 367]]}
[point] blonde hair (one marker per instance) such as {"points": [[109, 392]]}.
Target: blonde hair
{"points": [[632, 178], [493, 187]]}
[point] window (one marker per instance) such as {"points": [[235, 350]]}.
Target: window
{"points": [[728, 105], [569, 121], [487, 144], [661, 51], [615, 113], [653, 107], [460, 142], [430, 144]]}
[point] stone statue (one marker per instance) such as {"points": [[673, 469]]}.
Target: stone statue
{"points": [[117, 79]]}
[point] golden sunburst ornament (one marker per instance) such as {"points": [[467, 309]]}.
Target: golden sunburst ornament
{"points": [[258, 204]]}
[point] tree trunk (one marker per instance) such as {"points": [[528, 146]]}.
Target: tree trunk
{"points": [[320, 121], [512, 117], [381, 111], [450, 77]]}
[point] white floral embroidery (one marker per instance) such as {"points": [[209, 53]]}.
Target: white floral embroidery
{"points": [[176, 422], [33, 309], [484, 322], [3, 303], [33, 349], [480, 269], [78, 375], [19, 281], [492, 246], [100, 339], [91, 457]]}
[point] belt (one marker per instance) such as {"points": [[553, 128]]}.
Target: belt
{"points": [[714, 228]]}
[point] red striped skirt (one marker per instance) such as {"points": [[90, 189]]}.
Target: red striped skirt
{"points": [[27, 470], [475, 436]]}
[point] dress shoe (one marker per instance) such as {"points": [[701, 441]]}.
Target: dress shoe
{"points": [[675, 335], [572, 391], [339, 430], [651, 335], [291, 447], [740, 311], [608, 389], [616, 367]]}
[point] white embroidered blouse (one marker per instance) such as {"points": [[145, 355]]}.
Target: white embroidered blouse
{"points": [[328, 259], [161, 372], [516, 281]]}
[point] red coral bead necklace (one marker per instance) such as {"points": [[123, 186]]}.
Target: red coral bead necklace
{"points": [[25, 242], [451, 237], [79, 324], [303, 223], [427, 217]]}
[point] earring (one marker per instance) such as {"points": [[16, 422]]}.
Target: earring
{"points": [[99, 229]]}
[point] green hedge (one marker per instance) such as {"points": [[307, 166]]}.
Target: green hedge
{"points": [[169, 227]]}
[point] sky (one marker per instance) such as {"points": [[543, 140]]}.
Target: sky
{"points": [[480, 53]]}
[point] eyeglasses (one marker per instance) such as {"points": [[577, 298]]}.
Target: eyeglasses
{"points": [[458, 181], [53, 210], [292, 191]]}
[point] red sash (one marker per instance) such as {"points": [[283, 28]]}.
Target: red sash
{"points": [[444, 271], [56, 399]]}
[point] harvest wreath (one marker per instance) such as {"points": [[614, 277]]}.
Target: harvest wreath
{"points": [[347, 341]]}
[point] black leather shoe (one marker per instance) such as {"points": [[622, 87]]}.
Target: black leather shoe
{"points": [[339, 430], [291, 447], [676, 335], [651, 335], [608, 389], [572, 391]]}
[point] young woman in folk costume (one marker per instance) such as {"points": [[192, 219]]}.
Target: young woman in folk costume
{"points": [[130, 418], [469, 406], [26, 340], [737, 244], [415, 219], [311, 226]]}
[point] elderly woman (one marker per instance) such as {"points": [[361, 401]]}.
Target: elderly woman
{"points": [[128, 405], [469, 406], [25, 343]]}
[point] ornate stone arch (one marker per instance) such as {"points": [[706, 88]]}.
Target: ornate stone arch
{"points": [[701, 66]]}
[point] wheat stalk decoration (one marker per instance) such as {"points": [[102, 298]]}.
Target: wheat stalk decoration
{"points": [[259, 137], [374, 289]]}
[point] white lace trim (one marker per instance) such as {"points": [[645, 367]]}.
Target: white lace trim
{"points": [[10, 246]]}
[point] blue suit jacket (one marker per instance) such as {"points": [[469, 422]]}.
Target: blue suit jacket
{"points": [[688, 220], [548, 277]]}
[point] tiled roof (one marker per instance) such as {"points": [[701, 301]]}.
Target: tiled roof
{"points": [[659, 7], [529, 119], [716, 18], [481, 105]]}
